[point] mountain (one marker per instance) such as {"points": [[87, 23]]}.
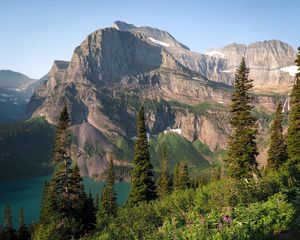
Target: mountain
{"points": [[11, 79], [15, 92], [117, 70]]}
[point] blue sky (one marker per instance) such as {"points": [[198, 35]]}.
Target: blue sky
{"points": [[34, 33]]}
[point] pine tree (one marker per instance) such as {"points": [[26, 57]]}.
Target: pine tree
{"points": [[8, 233], [61, 179], [97, 201], [242, 148], [89, 214], [277, 154], [77, 194], [109, 197], [176, 178], [62, 136], [23, 232], [163, 183], [64, 197], [142, 183], [293, 137], [108, 204], [47, 205]]}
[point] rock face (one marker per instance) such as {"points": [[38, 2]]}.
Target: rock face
{"points": [[116, 70], [265, 60]]}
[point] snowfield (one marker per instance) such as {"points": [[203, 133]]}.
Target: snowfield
{"points": [[177, 130], [215, 53], [291, 70], [158, 42]]}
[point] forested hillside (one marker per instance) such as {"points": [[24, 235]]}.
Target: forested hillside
{"points": [[26, 148]]}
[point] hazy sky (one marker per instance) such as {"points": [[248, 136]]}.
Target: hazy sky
{"points": [[34, 33]]}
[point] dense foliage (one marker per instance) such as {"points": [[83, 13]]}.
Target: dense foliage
{"points": [[19, 151]]}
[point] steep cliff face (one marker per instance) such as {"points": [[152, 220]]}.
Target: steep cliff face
{"points": [[266, 61], [117, 70]]}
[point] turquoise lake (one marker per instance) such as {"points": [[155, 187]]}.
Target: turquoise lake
{"points": [[27, 193]]}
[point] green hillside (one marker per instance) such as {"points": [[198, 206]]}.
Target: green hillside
{"points": [[25, 148], [179, 149]]}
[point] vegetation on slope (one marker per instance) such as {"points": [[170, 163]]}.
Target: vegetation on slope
{"points": [[26, 148]]}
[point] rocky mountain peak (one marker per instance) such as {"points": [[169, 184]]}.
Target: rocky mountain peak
{"points": [[157, 36]]}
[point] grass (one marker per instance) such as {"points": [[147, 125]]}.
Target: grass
{"points": [[199, 109]]}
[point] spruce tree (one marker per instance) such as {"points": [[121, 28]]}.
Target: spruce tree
{"points": [[176, 180], [77, 194], [109, 197], [108, 204], [293, 137], [64, 197], [242, 148], [97, 201], [277, 154], [181, 176], [8, 233], [142, 183], [163, 183], [48, 209], [89, 214], [23, 232], [58, 189]]}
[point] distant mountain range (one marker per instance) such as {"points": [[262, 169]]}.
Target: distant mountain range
{"points": [[118, 69]]}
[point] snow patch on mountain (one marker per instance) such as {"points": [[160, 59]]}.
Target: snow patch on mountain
{"points": [[177, 130], [158, 42], [215, 53], [291, 70]]}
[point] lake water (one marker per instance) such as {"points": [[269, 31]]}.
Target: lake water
{"points": [[27, 193]]}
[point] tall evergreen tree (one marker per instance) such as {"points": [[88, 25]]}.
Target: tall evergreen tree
{"points": [[181, 176], [163, 183], [8, 233], [293, 137], [89, 214], [62, 161], [64, 197], [109, 197], [277, 154], [108, 204], [48, 204], [97, 201], [142, 183], [176, 178], [23, 232], [242, 148], [77, 194]]}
